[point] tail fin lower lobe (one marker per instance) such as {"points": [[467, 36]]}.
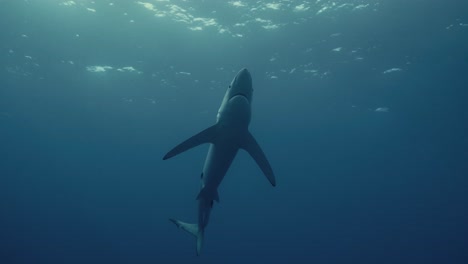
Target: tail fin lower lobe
{"points": [[191, 229]]}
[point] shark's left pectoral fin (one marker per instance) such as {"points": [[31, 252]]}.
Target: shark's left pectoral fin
{"points": [[206, 136], [252, 147]]}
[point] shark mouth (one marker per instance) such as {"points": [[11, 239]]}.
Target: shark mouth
{"points": [[241, 94]]}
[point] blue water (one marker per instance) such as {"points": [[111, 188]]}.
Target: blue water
{"points": [[360, 107]]}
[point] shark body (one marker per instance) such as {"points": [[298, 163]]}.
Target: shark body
{"points": [[229, 134]]}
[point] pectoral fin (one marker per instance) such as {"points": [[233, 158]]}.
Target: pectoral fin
{"points": [[206, 136], [252, 147]]}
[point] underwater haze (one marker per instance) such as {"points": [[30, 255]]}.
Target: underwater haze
{"points": [[359, 105]]}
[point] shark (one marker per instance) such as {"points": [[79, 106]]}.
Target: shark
{"points": [[226, 137]]}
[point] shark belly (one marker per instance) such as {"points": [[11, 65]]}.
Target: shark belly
{"points": [[218, 160]]}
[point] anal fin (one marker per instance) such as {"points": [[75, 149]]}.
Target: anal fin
{"points": [[207, 195]]}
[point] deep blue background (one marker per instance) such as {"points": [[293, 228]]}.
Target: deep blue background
{"points": [[81, 175]]}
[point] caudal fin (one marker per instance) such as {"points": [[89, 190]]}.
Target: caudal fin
{"points": [[191, 229]]}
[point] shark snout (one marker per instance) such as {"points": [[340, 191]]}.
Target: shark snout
{"points": [[243, 79], [241, 85], [244, 74]]}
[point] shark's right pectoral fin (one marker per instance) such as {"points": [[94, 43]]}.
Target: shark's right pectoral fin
{"points": [[206, 136], [252, 147]]}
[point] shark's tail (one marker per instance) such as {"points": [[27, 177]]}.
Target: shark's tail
{"points": [[192, 229]]}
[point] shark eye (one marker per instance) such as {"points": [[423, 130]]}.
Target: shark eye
{"points": [[229, 86]]}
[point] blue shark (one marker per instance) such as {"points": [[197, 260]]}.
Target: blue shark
{"points": [[229, 134]]}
